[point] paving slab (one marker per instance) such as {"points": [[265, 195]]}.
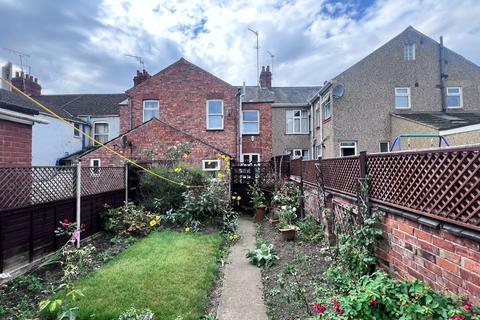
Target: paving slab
{"points": [[242, 293]]}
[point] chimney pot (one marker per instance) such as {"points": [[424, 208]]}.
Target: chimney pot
{"points": [[266, 78], [140, 77]]}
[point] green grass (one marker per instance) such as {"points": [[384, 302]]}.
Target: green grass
{"points": [[167, 272]]}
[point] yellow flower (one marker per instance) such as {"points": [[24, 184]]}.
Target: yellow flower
{"points": [[185, 156], [157, 217], [153, 223], [227, 158], [177, 169], [209, 162], [230, 237], [239, 198], [187, 229], [221, 175], [235, 236]]}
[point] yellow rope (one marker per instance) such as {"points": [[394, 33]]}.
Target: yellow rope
{"points": [[96, 141]]}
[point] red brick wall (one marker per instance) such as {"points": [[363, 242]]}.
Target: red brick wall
{"points": [[261, 143], [438, 257], [183, 90], [15, 144], [154, 137]]}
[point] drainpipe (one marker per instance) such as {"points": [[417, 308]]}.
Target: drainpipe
{"points": [[443, 76]]}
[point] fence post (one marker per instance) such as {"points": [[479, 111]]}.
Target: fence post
{"points": [[79, 201], [302, 194], [126, 182]]}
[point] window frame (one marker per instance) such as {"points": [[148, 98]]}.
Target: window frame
{"points": [[380, 146], [406, 56], [355, 146], [326, 100], [301, 154], [215, 114], [318, 151], [95, 170], [318, 116], [293, 121], [408, 95], [244, 121], [157, 108], [76, 134], [95, 134], [460, 95], [250, 155], [218, 168]]}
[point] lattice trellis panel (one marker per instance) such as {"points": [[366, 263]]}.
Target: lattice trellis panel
{"points": [[341, 174], [24, 186], [296, 167], [441, 184], [102, 179], [310, 172]]}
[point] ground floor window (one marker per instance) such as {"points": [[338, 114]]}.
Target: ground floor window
{"points": [[95, 166], [211, 166], [251, 158], [318, 152], [385, 146], [297, 153], [348, 148]]}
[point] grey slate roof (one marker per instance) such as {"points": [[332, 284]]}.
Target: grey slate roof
{"points": [[86, 104], [280, 95], [441, 120]]}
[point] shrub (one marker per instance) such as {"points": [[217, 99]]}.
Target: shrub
{"points": [[288, 195], [378, 296], [263, 256], [128, 220], [257, 197], [164, 195], [310, 230]]}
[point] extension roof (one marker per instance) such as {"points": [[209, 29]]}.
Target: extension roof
{"points": [[441, 120], [280, 96]]}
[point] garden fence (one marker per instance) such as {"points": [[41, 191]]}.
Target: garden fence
{"points": [[34, 199], [443, 184]]}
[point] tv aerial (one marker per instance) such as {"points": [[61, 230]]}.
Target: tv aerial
{"points": [[139, 59]]}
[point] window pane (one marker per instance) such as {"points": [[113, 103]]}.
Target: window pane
{"points": [[215, 107], [453, 101], [401, 91], [297, 113], [101, 138], [289, 114], [306, 154], [305, 125], [296, 127], [348, 152], [254, 157], [289, 125], [101, 128], [384, 147], [215, 122], [453, 90], [149, 114], [347, 144], [210, 165], [150, 104], [401, 101], [250, 116], [250, 127]]}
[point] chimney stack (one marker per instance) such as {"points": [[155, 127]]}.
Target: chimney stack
{"points": [[266, 78], [27, 84], [140, 77]]}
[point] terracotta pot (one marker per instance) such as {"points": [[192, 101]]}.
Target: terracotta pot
{"points": [[260, 214], [289, 233]]}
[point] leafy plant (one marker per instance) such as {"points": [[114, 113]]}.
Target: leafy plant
{"points": [[134, 314], [76, 261], [257, 197], [289, 194], [68, 228], [287, 216], [263, 256], [128, 220], [310, 230]]}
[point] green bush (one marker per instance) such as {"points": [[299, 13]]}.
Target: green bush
{"points": [[310, 230], [378, 296], [128, 220], [164, 195]]}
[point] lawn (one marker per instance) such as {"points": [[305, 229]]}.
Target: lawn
{"points": [[167, 272]]}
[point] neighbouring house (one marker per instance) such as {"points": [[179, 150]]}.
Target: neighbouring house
{"points": [[410, 85], [285, 120], [180, 104]]}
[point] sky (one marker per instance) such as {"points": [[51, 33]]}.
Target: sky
{"points": [[81, 46]]}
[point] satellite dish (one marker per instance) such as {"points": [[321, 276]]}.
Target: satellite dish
{"points": [[338, 90]]}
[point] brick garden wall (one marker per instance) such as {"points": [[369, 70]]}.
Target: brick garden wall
{"points": [[15, 144]]}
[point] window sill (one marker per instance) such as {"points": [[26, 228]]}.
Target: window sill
{"points": [[251, 134], [454, 108], [297, 133], [215, 129]]}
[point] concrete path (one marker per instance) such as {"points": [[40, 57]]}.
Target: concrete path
{"points": [[242, 293]]}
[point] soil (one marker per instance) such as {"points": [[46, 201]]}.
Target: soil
{"points": [[307, 258]]}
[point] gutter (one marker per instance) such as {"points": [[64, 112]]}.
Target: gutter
{"points": [[20, 117]]}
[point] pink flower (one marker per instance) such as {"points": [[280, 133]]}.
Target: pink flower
{"points": [[467, 307], [374, 302], [337, 306], [319, 309], [457, 318]]}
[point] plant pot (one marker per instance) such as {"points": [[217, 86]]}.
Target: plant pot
{"points": [[289, 233], [260, 213]]}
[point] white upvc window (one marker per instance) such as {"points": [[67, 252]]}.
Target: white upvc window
{"points": [[348, 148], [297, 121], [151, 109], [215, 115], [76, 133], [318, 152], [384, 146], [402, 98], [297, 153], [327, 107], [100, 132], [409, 51], [454, 97], [95, 166], [251, 122], [251, 158]]}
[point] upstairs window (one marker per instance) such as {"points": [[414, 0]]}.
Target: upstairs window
{"points": [[454, 97], [100, 132], [318, 117], [409, 51], [297, 121], [151, 109], [215, 115], [327, 108], [251, 122], [348, 148], [76, 133], [402, 98]]}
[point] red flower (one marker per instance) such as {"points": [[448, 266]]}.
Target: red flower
{"points": [[374, 302], [467, 307], [66, 222], [457, 318], [337, 306], [319, 309]]}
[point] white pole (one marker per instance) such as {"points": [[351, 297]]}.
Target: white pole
{"points": [[79, 202], [126, 183]]}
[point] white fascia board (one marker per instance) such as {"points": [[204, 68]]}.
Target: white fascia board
{"points": [[20, 117], [473, 127]]}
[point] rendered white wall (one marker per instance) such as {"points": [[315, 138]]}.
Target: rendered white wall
{"points": [[113, 126], [52, 141]]}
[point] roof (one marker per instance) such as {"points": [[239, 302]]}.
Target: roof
{"points": [[11, 100], [280, 95], [441, 120], [86, 104]]}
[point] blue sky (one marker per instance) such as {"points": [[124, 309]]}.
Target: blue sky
{"points": [[80, 46]]}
